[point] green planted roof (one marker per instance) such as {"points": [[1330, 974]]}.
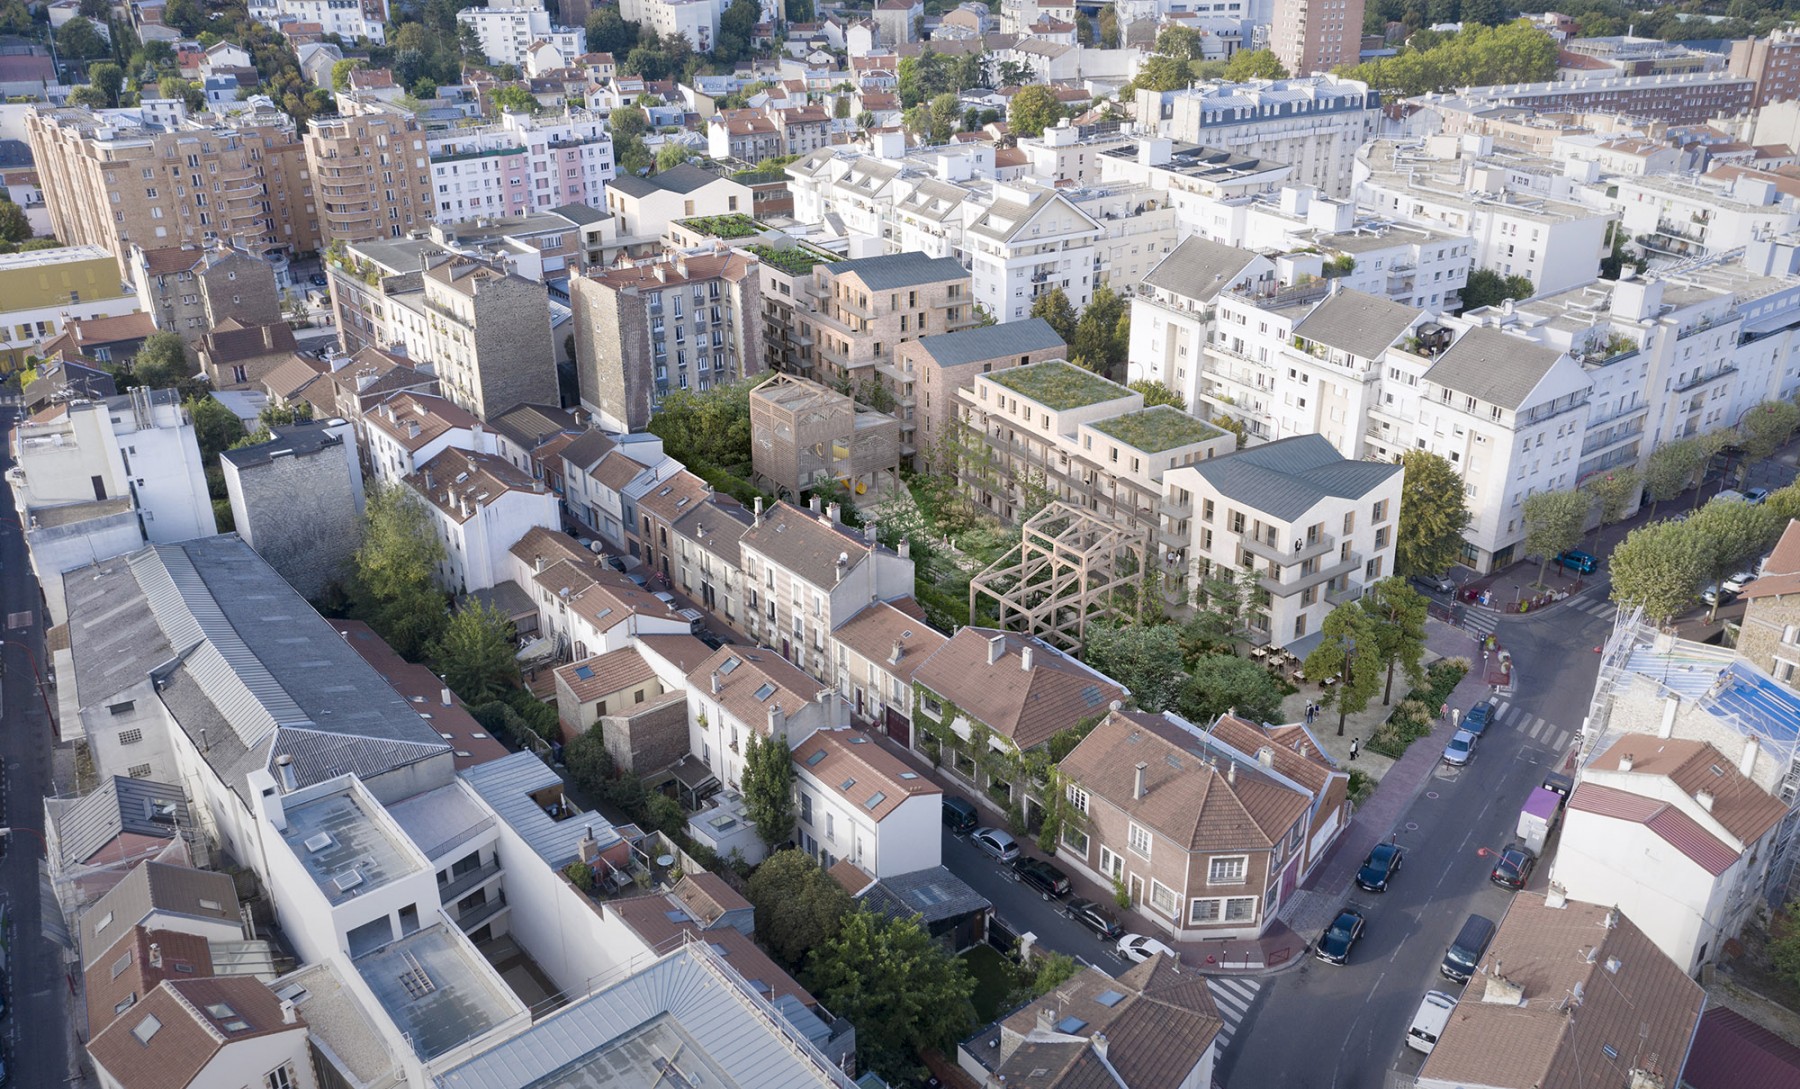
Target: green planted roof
{"points": [[1061, 386], [733, 225], [795, 260], [1157, 429]]}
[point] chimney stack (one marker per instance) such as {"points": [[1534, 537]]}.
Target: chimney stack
{"points": [[1266, 756], [1025, 657], [715, 682], [285, 765], [1747, 762], [835, 512], [815, 504], [1046, 1019], [538, 562], [758, 520], [156, 954], [1705, 798], [996, 648], [869, 533], [777, 723], [288, 1016], [444, 695], [1627, 762], [1231, 773], [1099, 1042], [905, 549], [1671, 707], [895, 654], [1137, 786]]}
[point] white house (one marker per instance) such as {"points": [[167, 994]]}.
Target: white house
{"points": [[862, 804], [507, 33], [739, 690], [202, 1033], [481, 504], [409, 429]]}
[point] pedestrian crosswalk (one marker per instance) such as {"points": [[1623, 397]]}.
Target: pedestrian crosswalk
{"points": [[1547, 734], [1233, 995], [1480, 622], [1597, 607]]}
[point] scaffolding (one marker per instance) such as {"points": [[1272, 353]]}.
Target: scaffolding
{"points": [[803, 434], [1071, 567]]}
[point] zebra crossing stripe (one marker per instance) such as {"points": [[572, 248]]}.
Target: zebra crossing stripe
{"points": [[1501, 709], [1557, 740], [1536, 725]]}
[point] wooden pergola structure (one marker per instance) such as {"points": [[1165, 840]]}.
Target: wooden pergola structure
{"points": [[1070, 567]]}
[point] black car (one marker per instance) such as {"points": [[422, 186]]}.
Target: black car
{"points": [[1514, 867], [317, 279], [1379, 868], [617, 563], [1042, 876], [1335, 943], [1095, 918]]}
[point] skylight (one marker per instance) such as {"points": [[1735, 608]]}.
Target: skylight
{"points": [[146, 1028], [730, 664], [815, 758], [1109, 999], [765, 692], [875, 799]]}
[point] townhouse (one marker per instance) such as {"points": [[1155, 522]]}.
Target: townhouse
{"points": [[1770, 636], [574, 602], [480, 505], [695, 545], [643, 208], [407, 430], [191, 289], [738, 690], [878, 651], [861, 804]]}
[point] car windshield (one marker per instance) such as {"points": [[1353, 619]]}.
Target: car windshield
{"points": [[1340, 930]]}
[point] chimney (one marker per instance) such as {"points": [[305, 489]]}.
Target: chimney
{"points": [[1502, 991], [1046, 1019], [1231, 773], [869, 533], [1670, 707], [758, 520], [905, 549], [1627, 762], [1098, 1039], [288, 1016], [428, 485], [843, 561], [1025, 657], [588, 849], [715, 682], [1266, 756], [777, 722], [996, 648], [284, 765], [815, 504], [1747, 762], [1705, 798], [538, 562], [1137, 786], [444, 695], [895, 654], [1556, 897], [835, 512], [155, 954]]}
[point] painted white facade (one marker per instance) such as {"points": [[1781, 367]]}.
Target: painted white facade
{"points": [[507, 33], [346, 18], [904, 839]]}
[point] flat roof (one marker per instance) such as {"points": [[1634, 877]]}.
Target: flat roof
{"points": [[1153, 430], [437, 990], [1058, 385], [346, 850]]}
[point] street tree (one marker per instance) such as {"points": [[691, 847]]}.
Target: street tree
{"points": [[1155, 393], [475, 653], [1248, 64], [1554, 522], [1349, 652], [798, 906], [1766, 427], [108, 79], [15, 226], [1670, 469], [392, 571], [902, 990], [1611, 492], [1398, 612], [1102, 337], [1226, 682], [1145, 658], [1054, 307], [1034, 108], [1658, 567], [1730, 533], [1433, 514], [769, 788]]}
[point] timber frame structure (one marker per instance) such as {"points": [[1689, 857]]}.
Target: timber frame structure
{"points": [[1070, 567]]}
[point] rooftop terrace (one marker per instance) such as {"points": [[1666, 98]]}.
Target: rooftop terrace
{"points": [[438, 990], [1060, 386], [1154, 430]]}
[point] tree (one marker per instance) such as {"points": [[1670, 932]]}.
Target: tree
{"points": [[1053, 306], [798, 906], [706, 430], [99, 10], [80, 39], [162, 361], [1657, 568], [90, 97], [769, 788], [1145, 658], [108, 79], [1034, 108], [1180, 42], [1433, 514], [14, 225], [670, 155], [1109, 28], [589, 765], [216, 428], [340, 72], [1670, 468], [1225, 682], [1728, 534], [1554, 522], [1398, 612], [475, 654], [1248, 64], [1233, 425], [1612, 492], [627, 121], [1163, 73], [15, 18], [1486, 287], [1348, 652], [1155, 393], [1478, 56], [513, 99], [799, 11], [902, 990], [393, 570], [186, 16], [1102, 338], [1766, 427], [608, 33], [185, 90]]}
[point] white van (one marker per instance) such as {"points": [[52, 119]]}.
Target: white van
{"points": [[1429, 1022]]}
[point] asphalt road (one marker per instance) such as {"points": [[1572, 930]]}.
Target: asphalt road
{"points": [[1023, 909], [36, 1028], [1353, 1018]]}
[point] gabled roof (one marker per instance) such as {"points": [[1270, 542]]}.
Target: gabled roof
{"points": [[1286, 478], [752, 683], [1024, 702], [1695, 768], [1668, 823], [893, 271], [415, 419], [144, 808], [855, 767], [166, 1040], [1187, 799], [132, 967], [879, 628], [662, 922], [1363, 325], [230, 341], [588, 449], [155, 887], [459, 483], [604, 674], [1732, 1052], [707, 898], [986, 342], [530, 425], [1781, 571], [807, 544], [1293, 756], [1200, 268], [1493, 366]]}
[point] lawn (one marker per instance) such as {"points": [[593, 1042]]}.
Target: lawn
{"points": [[996, 977]]}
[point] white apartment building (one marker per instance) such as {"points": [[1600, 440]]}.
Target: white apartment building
{"points": [[1317, 528], [348, 19], [507, 33], [480, 505], [1174, 312], [1205, 186], [1683, 217], [409, 429], [738, 690], [520, 164], [1027, 243], [1314, 124], [695, 20]]}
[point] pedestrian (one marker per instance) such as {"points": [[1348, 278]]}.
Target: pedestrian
{"points": [[1455, 714], [1444, 711], [1355, 747]]}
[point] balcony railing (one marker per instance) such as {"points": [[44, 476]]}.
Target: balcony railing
{"points": [[1286, 586], [1288, 554], [454, 889], [474, 917]]}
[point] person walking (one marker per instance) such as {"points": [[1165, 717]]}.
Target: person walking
{"points": [[1355, 747]]}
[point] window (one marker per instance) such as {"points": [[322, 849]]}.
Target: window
{"points": [[130, 737], [120, 708], [282, 1077], [1078, 797], [1240, 909], [1205, 911], [139, 771], [1139, 839], [1111, 864], [1230, 870], [1162, 898], [1076, 840]]}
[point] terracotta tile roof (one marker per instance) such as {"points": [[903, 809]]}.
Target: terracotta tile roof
{"points": [[614, 671], [91, 331], [1743, 808], [1025, 705], [806, 544], [852, 878], [292, 375], [424, 690], [707, 897], [1674, 827], [461, 482], [129, 970], [166, 260], [185, 1024], [541, 541], [1781, 573], [1732, 1052], [850, 764], [414, 419], [1636, 1008], [1200, 806], [1158, 1021], [759, 681], [671, 499], [878, 628], [156, 886], [649, 918], [1297, 757]]}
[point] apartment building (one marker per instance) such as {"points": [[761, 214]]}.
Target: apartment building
{"points": [[695, 20], [683, 321], [1681, 98], [348, 19], [42, 290], [1316, 529], [1204, 186], [643, 208], [191, 289], [1773, 62], [927, 373], [371, 176], [508, 32], [521, 164], [1678, 217], [1174, 313], [861, 804], [880, 648], [480, 505], [863, 309], [408, 429], [155, 177], [1314, 124], [1312, 36]]}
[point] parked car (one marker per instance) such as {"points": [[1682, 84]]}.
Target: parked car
{"points": [[1718, 595], [1737, 582], [1476, 719], [1380, 867], [1756, 495], [1428, 1024], [1460, 749], [1441, 584], [959, 812], [997, 842], [1514, 867], [1339, 937], [1042, 876], [317, 279], [665, 597], [617, 563], [1138, 948], [637, 579], [1582, 563], [1095, 918]]}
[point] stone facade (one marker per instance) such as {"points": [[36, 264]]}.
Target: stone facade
{"points": [[296, 500], [189, 290], [650, 740]]}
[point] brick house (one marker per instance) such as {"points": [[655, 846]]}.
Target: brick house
{"points": [[1770, 637], [1206, 845]]}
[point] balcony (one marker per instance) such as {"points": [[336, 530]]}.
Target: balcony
{"points": [[1318, 545], [1701, 380], [458, 887], [1293, 585], [1350, 591], [472, 919], [1596, 443]]}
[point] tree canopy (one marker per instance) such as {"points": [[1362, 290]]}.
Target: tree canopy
{"points": [[162, 361], [1658, 567], [1248, 64], [798, 906], [1155, 393], [1554, 522], [1348, 651], [475, 655], [769, 788], [1478, 56], [1434, 511], [1034, 108], [1486, 287], [1671, 468], [1398, 614], [1145, 658], [1054, 307], [1225, 682], [1102, 337], [393, 571]]}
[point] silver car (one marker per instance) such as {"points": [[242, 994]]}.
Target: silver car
{"points": [[1460, 749], [997, 842]]}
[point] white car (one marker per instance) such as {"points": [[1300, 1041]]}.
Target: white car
{"points": [[1428, 1024], [1138, 948], [1737, 582]]}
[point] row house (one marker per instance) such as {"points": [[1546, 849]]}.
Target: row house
{"points": [[605, 475], [408, 429], [480, 506], [879, 649], [577, 603], [861, 804], [738, 691], [1770, 636]]}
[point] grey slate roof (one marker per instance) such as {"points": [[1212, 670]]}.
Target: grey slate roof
{"points": [[506, 785], [1199, 268], [1492, 366], [683, 179], [1286, 478], [891, 271], [581, 213], [1363, 325], [301, 440], [115, 807], [990, 342], [935, 894], [528, 424], [587, 450]]}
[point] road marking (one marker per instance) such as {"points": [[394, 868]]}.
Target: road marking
{"points": [[1233, 997], [1536, 725], [1557, 740], [1501, 709]]}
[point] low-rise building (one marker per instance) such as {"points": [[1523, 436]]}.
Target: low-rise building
{"points": [[739, 690], [803, 434], [643, 208], [235, 356], [481, 505], [41, 291], [198, 1032], [882, 647], [408, 429], [1770, 635], [862, 804]]}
